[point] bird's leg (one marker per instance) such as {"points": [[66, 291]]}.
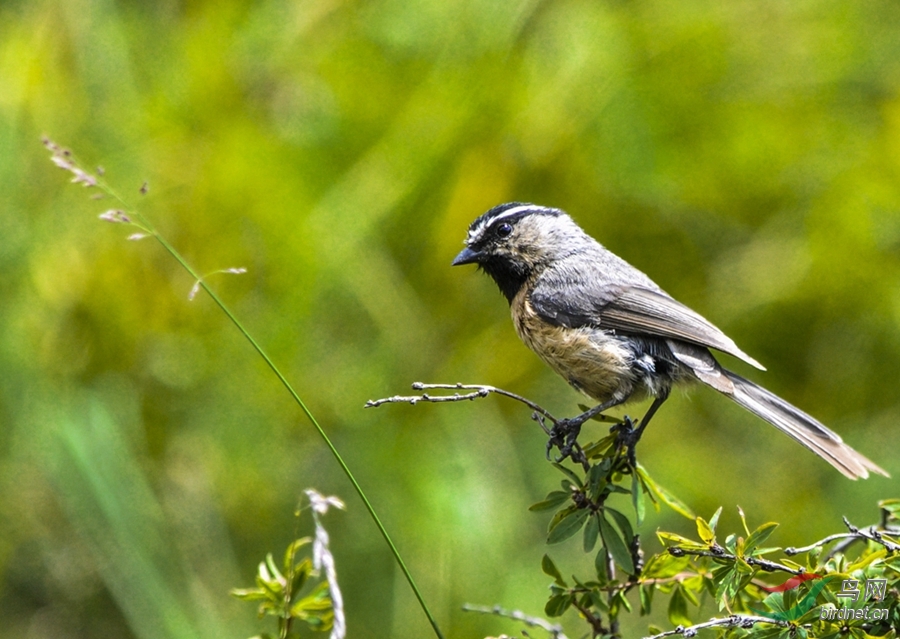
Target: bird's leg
{"points": [[629, 435], [564, 433]]}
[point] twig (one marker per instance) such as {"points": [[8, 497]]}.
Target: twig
{"points": [[539, 413], [793, 550], [478, 390], [732, 621], [856, 534], [719, 553], [872, 535], [555, 630], [596, 622]]}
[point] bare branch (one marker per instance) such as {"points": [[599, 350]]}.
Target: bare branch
{"points": [[719, 553], [478, 390], [555, 630], [793, 550], [568, 448], [871, 533], [732, 621]]}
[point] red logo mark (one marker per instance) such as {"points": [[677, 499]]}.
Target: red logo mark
{"points": [[791, 583]]}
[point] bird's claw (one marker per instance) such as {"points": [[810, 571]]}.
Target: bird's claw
{"points": [[628, 434], [564, 436]]}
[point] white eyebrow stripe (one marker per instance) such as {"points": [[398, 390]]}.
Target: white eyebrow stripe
{"points": [[516, 209], [476, 232]]}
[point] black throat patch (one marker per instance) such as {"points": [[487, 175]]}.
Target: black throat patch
{"points": [[509, 275]]}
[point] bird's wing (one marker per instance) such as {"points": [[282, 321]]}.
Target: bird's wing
{"points": [[632, 310]]}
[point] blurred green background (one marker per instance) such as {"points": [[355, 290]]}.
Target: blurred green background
{"points": [[744, 154]]}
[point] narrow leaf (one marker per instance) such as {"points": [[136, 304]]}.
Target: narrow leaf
{"points": [[759, 536], [715, 519], [616, 547], [665, 496], [637, 499], [743, 520], [600, 565], [571, 475], [558, 604], [678, 609], [676, 539], [551, 570], [248, 594], [623, 524], [591, 530], [592, 450], [567, 526], [705, 531], [552, 500], [597, 480]]}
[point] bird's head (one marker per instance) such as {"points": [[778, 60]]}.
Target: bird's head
{"points": [[513, 241]]}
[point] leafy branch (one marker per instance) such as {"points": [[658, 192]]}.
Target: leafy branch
{"points": [[689, 571], [279, 590]]}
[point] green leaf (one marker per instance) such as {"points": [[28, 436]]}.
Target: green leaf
{"points": [[597, 600], [890, 505], [552, 500], [637, 499], [314, 605], [678, 540], [623, 524], [568, 473], [731, 542], [560, 514], [616, 547], [600, 565], [768, 632], [551, 570], [599, 448], [728, 587], [302, 571], [567, 526], [597, 479], [273, 570], [705, 531], [743, 520], [646, 594], [759, 536], [689, 594], [619, 599], [271, 586], [663, 565], [290, 555], [558, 604], [715, 519], [665, 496], [591, 531], [678, 609], [248, 594]]}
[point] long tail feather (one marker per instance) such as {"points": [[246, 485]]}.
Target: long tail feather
{"points": [[804, 428]]}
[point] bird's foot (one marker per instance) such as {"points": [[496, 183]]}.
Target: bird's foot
{"points": [[628, 434], [564, 436]]}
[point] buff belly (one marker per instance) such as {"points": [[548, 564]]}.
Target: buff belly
{"points": [[594, 362]]}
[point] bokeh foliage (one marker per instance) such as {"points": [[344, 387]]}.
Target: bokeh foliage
{"points": [[745, 154]]}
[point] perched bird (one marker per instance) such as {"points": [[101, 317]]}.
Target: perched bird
{"points": [[615, 335]]}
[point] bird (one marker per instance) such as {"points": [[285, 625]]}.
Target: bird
{"points": [[613, 334]]}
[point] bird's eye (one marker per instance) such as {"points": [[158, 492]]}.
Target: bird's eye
{"points": [[504, 230]]}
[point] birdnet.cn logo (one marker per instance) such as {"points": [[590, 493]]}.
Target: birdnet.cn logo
{"points": [[875, 590]]}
